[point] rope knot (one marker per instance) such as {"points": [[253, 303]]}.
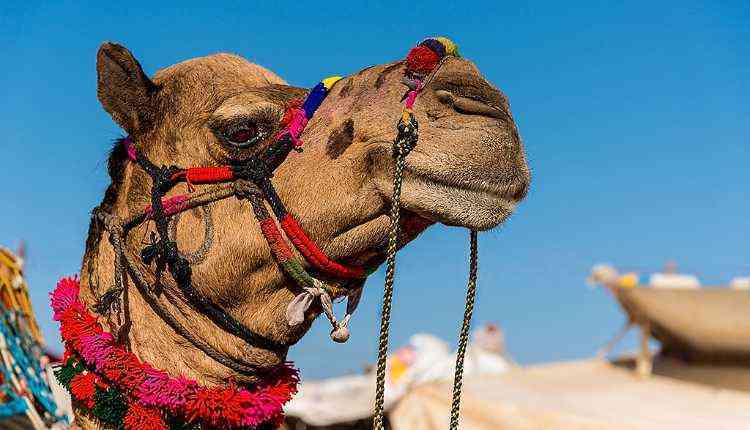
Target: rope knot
{"points": [[109, 301], [408, 134], [166, 251], [164, 178], [151, 251], [245, 189], [254, 170], [111, 222]]}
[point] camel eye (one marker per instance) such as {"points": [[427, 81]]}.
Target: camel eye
{"points": [[247, 129], [243, 135]]}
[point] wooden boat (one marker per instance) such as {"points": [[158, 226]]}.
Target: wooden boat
{"points": [[710, 324]]}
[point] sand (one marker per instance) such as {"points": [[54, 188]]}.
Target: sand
{"points": [[582, 395]]}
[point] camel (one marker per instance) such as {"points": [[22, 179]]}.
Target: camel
{"points": [[468, 169]]}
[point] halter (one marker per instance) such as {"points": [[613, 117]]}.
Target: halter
{"points": [[248, 179]]}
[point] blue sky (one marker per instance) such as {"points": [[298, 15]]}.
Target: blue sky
{"points": [[635, 117]]}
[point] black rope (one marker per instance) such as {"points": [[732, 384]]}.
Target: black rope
{"points": [[277, 152], [252, 179], [148, 294], [273, 199], [200, 254], [165, 252], [125, 265]]}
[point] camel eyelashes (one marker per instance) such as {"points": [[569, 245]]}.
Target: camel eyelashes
{"points": [[242, 132]]}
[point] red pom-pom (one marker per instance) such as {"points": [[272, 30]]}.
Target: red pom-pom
{"points": [[140, 417], [132, 373], [83, 388], [291, 106], [213, 406], [421, 59], [74, 324], [114, 368]]}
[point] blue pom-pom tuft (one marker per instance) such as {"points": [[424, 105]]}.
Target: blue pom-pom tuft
{"points": [[314, 100], [435, 46]]}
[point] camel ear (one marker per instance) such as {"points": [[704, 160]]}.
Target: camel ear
{"points": [[123, 89]]}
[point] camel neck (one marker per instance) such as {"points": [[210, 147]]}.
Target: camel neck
{"points": [[136, 324]]}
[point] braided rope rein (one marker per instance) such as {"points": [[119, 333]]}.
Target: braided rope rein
{"points": [[422, 64], [400, 151], [403, 144], [463, 338]]}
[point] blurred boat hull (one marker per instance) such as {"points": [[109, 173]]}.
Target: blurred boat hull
{"points": [[705, 325]]}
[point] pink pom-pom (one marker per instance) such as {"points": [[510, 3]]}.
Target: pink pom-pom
{"points": [[96, 349], [65, 294]]}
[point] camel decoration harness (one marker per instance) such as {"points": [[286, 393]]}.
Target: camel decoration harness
{"points": [[112, 384]]}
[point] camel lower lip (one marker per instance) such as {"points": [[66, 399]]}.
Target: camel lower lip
{"points": [[463, 206], [487, 191]]}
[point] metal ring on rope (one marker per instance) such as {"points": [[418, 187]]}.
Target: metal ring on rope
{"points": [[200, 254]]}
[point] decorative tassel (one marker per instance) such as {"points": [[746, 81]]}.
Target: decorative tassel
{"points": [[130, 382], [67, 372], [140, 418], [341, 332], [129, 148], [109, 406], [83, 388], [421, 60]]}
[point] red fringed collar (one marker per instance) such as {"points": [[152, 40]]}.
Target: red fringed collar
{"points": [[115, 386]]}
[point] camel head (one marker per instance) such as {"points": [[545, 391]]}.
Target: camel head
{"points": [[468, 169]]}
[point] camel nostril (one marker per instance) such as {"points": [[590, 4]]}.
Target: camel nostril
{"points": [[445, 96], [469, 106]]}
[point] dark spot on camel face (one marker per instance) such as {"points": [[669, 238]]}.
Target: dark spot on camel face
{"points": [[381, 79], [340, 139], [344, 92]]}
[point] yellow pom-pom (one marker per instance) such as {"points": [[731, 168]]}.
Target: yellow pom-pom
{"points": [[628, 280], [328, 82], [450, 47], [405, 115]]}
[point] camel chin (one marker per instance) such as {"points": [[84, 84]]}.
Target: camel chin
{"points": [[455, 205]]}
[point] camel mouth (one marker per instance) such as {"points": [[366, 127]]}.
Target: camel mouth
{"points": [[434, 189], [454, 202], [372, 253], [511, 191]]}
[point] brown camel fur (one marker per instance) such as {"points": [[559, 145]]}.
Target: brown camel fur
{"points": [[468, 169]]}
